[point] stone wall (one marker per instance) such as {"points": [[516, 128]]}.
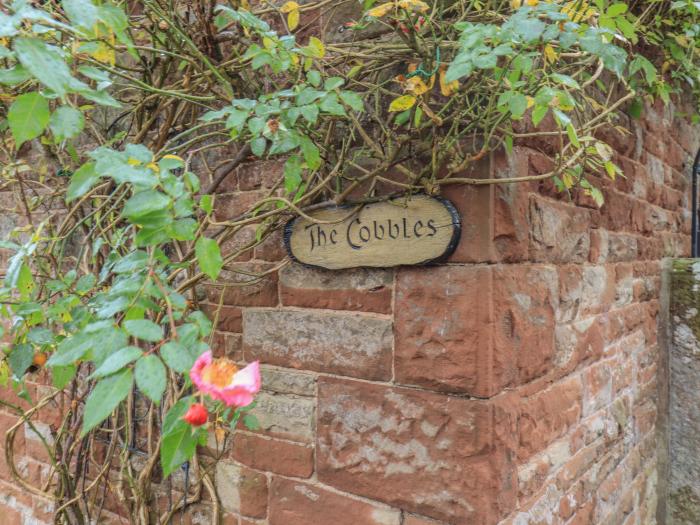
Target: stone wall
{"points": [[515, 384], [681, 445]]}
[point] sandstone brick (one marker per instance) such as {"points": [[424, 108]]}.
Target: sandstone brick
{"points": [[559, 233], [361, 289], [285, 381], [245, 284], [271, 248], [259, 175], [232, 205], [424, 452], [548, 415], [342, 343], [443, 328], [525, 299], [296, 503], [226, 318], [285, 416], [241, 489], [274, 455], [410, 519]]}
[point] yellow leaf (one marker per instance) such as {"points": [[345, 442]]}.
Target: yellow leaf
{"points": [[413, 5], [530, 102], [380, 10], [316, 47], [415, 85], [289, 7], [447, 88], [532, 3], [104, 54], [549, 54], [174, 157], [293, 19], [153, 166], [268, 43], [402, 103], [131, 161], [515, 4]]}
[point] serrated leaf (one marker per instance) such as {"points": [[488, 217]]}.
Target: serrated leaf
{"points": [[28, 117], [117, 361], [20, 359], [151, 377], [353, 100], [144, 329], [105, 397], [179, 442], [293, 19], [45, 63], [177, 357]]}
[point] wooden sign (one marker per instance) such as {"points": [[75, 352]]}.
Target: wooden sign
{"points": [[404, 231]]}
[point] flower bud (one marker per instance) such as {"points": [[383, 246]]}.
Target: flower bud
{"points": [[196, 415]]}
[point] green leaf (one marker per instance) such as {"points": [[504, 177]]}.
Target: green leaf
{"points": [[251, 422], [151, 377], [105, 397], [292, 173], [573, 137], [565, 80], [82, 13], [62, 375], [28, 117], [517, 105], [177, 357], [144, 203], [312, 156], [333, 83], [314, 78], [353, 100], [66, 122], [144, 329], [257, 146], [208, 256], [81, 181], [15, 75], [20, 359], [46, 64], [117, 361], [331, 105], [538, 114], [617, 9], [72, 349], [179, 442]]}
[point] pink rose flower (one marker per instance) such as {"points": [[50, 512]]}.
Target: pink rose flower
{"points": [[221, 379]]}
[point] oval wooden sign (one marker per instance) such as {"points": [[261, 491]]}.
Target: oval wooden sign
{"points": [[404, 231]]}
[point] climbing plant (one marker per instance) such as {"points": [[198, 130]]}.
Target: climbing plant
{"points": [[144, 109]]}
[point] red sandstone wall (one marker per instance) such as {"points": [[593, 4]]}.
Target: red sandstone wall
{"points": [[515, 384]]}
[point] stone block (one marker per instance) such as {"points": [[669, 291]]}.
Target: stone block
{"points": [[436, 455], [443, 328], [350, 344]]}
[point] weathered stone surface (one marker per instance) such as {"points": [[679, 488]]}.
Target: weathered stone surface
{"points": [[241, 489], [443, 328], [285, 416], [429, 453], [285, 381], [559, 233], [297, 503], [525, 299], [347, 344], [245, 284], [274, 455], [361, 289]]}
